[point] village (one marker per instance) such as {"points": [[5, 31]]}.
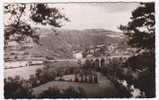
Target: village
{"points": [[15, 58]]}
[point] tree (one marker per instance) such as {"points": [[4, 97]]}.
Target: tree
{"points": [[38, 72], [141, 29], [87, 63], [140, 32], [72, 92], [51, 92], [17, 88], [20, 17]]}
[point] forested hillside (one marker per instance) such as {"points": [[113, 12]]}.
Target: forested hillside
{"points": [[62, 43]]}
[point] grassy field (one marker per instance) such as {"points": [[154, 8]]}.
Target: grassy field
{"points": [[25, 72], [104, 87]]}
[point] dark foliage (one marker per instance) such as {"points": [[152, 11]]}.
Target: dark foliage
{"points": [[19, 29], [51, 93], [141, 34], [70, 92], [141, 29], [17, 88], [44, 15]]}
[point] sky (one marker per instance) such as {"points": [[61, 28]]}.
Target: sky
{"points": [[96, 15], [91, 15]]}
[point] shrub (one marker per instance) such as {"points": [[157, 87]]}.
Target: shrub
{"points": [[17, 88], [51, 92], [71, 92]]}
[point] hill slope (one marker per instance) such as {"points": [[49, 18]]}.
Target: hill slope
{"points": [[62, 43]]}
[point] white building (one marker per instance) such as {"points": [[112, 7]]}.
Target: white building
{"points": [[77, 55]]}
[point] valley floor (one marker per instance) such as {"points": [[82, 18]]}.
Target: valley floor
{"points": [[104, 87]]}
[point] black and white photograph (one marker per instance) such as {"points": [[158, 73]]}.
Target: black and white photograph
{"points": [[79, 50]]}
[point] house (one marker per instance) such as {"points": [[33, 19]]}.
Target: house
{"points": [[77, 55]]}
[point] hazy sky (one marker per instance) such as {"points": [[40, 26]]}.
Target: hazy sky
{"points": [[92, 15], [97, 15]]}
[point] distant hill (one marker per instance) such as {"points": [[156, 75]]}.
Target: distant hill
{"points": [[61, 43]]}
